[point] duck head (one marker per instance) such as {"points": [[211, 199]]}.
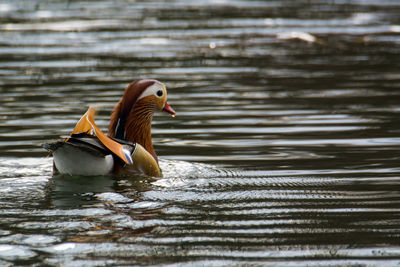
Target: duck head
{"points": [[132, 116]]}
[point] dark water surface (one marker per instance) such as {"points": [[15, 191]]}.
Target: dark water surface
{"points": [[285, 150]]}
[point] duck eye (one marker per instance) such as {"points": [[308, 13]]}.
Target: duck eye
{"points": [[159, 93]]}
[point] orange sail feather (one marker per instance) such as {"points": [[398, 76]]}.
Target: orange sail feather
{"points": [[87, 125]]}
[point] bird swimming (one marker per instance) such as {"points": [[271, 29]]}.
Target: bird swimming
{"points": [[128, 147]]}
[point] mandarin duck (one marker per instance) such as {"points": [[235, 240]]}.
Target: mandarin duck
{"points": [[128, 148]]}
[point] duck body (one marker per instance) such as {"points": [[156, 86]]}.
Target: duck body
{"points": [[82, 154], [127, 150]]}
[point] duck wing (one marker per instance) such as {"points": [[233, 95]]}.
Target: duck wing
{"points": [[87, 125], [83, 141]]}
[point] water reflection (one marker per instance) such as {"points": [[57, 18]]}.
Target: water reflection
{"points": [[76, 191]]}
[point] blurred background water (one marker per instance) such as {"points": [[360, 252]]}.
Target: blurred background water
{"points": [[284, 151]]}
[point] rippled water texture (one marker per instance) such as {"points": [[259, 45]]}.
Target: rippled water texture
{"points": [[285, 149]]}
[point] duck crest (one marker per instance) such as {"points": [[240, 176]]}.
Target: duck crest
{"points": [[130, 119], [121, 111]]}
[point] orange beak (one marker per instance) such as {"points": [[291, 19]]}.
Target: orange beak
{"points": [[167, 108]]}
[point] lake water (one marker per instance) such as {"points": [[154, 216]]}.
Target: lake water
{"points": [[285, 149]]}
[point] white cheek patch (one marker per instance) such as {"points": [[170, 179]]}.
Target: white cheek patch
{"points": [[152, 90]]}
